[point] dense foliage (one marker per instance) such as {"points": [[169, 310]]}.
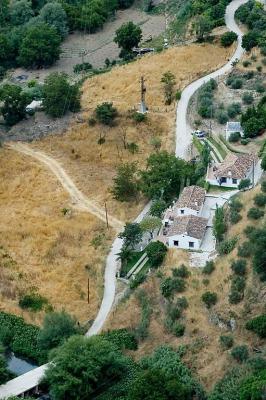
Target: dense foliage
{"points": [[20, 337]]}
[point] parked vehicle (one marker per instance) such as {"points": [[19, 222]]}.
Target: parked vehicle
{"points": [[199, 134]]}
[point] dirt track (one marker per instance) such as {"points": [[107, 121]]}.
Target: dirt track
{"points": [[79, 200]]}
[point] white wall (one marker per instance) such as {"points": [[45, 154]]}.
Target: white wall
{"points": [[187, 211], [228, 183], [184, 242]]}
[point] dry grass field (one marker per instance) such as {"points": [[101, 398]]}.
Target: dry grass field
{"points": [[205, 354], [50, 250], [43, 250], [93, 166]]}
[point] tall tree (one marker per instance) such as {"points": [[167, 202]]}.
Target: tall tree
{"points": [[132, 234], [127, 36], [14, 104], [40, 46], [125, 187], [59, 95], [21, 12], [55, 16], [84, 368]]}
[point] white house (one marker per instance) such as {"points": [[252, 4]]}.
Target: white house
{"points": [[232, 170], [186, 232], [190, 202], [233, 127]]}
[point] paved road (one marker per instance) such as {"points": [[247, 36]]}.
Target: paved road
{"points": [[183, 130]]}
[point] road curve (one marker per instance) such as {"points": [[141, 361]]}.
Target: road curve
{"points": [[183, 130]]}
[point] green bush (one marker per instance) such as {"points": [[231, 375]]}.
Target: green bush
{"points": [[233, 109], [244, 250], [258, 325], [244, 184], [260, 88], [173, 312], [237, 83], [178, 329], [247, 98], [106, 113], [240, 353], [228, 38], [234, 137], [246, 63], [142, 330], [157, 208], [226, 341], [238, 283], [208, 268], [245, 141], [260, 200], [156, 252], [182, 303], [170, 285], [139, 117], [181, 272], [85, 67], [138, 280], [222, 117], [209, 298], [21, 338], [239, 267], [255, 213], [235, 217], [263, 186], [259, 68], [227, 246], [178, 95], [33, 301], [235, 297], [122, 338]]}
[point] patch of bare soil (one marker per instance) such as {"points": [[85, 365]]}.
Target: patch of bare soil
{"points": [[98, 46], [203, 327]]}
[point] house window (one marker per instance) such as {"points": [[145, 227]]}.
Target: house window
{"points": [[191, 245], [176, 243], [223, 180], [182, 211], [234, 181]]}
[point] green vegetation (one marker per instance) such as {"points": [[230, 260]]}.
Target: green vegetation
{"points": [[219, 224], [33, 302], [14, 102], [228, 245], [125, 186], [141, 331], [20, 337], [168, 81], [169, 286], [258, 325], [209, 298], [240, 353], [226, 341], [205, 99], [239, 267], [59, 96], [228, 38], [255, 213], [106, 113], [157, 208], [57, 327], [156, 252], [127, 36], [208, 268]]}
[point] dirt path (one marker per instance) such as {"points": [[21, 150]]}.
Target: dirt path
{"points": [[79, 200]]}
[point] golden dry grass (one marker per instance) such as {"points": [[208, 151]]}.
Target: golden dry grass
{"points": [[93, 166], [205, 355], [42, 249]]}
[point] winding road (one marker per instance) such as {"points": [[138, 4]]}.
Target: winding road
{"points": [[183, 141]]}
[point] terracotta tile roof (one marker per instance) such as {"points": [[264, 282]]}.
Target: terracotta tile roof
{"points": [[189, 225], [235, 166], [192, 197]]}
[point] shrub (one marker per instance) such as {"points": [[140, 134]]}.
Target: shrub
{"points": [[138, 280], [263, 61], [233, 109], [259, 68], [245, 141], [236, 205], [263, 186], [139, 117], [244, 184], [133, 148], [255, 213], [182, 303], [260, 88], [122, 338], [247, 98], [239, 267], [238, 283], [156, 251], [85, 67], [226, 341], [240, 353], [222, 117], [258, 325], [170, 285], [227, 245], [178, 329], [209, 299], [235, 297], [33, 302], [158, 208], [92, 121], [173, 312], [178, 95], [208, 268], [237, 83], [234, 137], [106, 113], [249, 75], [244, 250], [235, 217], [260, 200], [228, 38], [181, 272], [246, 63], [249, 230], [142, 329]]}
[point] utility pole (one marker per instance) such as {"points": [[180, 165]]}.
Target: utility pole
{"points": [[106, 215], [143, 108], [253, 173], [88, 290]]}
